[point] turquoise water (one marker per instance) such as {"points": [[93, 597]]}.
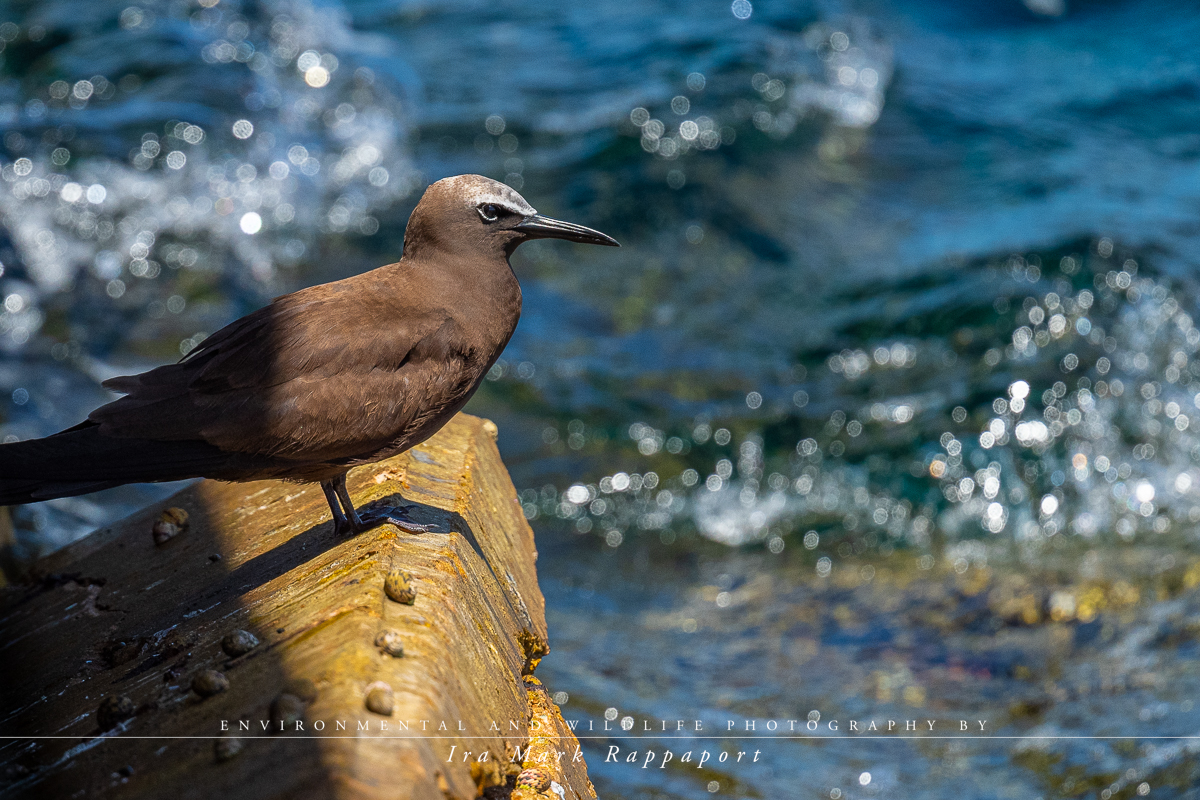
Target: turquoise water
{"points": [[886, 408]]}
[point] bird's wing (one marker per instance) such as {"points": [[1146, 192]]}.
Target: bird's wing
{"points": [[315, 376]]}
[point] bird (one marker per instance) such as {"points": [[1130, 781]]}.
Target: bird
{"points": [[321, 380]]}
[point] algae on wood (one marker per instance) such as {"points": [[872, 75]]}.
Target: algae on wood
{"points": [[119, 621]]}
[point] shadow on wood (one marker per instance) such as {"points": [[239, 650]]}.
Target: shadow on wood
{"points": [[101, 659]]}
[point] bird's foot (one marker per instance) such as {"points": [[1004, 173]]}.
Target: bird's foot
{"points": [[348, 520], [396, 515], [343, 527]]}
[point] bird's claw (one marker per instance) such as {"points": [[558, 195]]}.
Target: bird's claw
{"points": [[348, 520], [395, 516]]}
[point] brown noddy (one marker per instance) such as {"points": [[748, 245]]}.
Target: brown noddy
{"points": [[321, 380]]}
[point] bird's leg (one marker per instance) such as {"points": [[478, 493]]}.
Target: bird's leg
{"points": [[370, 519], [341, 525]]}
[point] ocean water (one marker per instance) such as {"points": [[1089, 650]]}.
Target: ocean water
{"points": [[886, 409]]}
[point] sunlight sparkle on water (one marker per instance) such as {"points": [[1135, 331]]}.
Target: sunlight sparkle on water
{"points": [[251, 222]]}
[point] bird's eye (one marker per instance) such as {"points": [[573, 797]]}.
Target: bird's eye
{"points": [[490, 212]]}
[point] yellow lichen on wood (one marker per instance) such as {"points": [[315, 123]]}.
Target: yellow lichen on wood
{"points": [[552, 749]]}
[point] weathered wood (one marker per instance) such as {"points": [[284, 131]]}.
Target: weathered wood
{"points": [[118, 616]]}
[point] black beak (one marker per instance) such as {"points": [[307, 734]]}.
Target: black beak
{"points": [[539, 227]]}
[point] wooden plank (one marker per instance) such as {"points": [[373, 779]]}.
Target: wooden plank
{"points": [[118, 616]]}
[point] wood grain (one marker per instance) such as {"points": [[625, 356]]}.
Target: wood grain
{"points": [[116, 615]]}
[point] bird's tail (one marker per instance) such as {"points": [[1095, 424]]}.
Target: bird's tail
{"points": [[81, 460]]}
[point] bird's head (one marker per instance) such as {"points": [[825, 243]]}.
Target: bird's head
{"points": [[471, 213]]}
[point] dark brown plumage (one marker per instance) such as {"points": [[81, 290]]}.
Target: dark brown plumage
{"points": [[320, 380]]}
